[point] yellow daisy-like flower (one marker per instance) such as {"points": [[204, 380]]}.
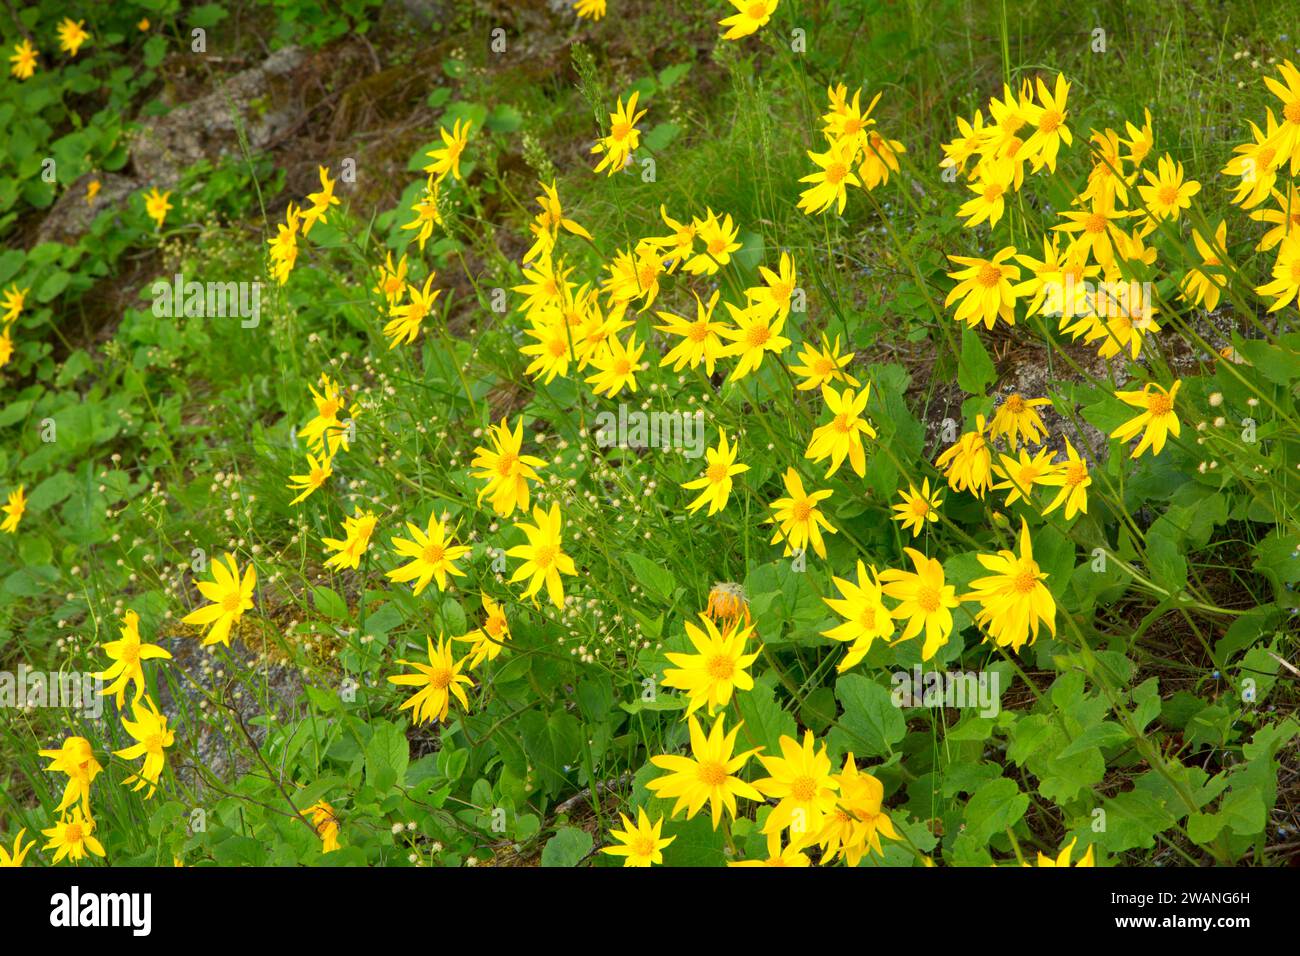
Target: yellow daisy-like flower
{"points": [[72, 35], [545, 290], [1166, 193], [639, 845], [1257, 164], [1064, 858], [1018, 420], [552, 351], [547, 224], [918, 507], [319, 471], [92, 190], [543, 556], [12, 303], [327, 433], [230, 599], [632, 278], [985, 289], [1202, 287], [73, 837], [701, 340], [859, 820], [391, 283], [842, 436], [801, 781], [708, 775], [76, 758], [14, 511], [487, 642], [1286, 274], [990, 191], [506, 471], [720, 241], [6, 348], [1284, 216], [926, 601], [127, 653], [751, 15], [1014, 601], [866, 619], [354, 543], [149, 729], [831, 180], [438, 681], [823, 365], [777, 291], [757, 332], [716, 481], [427, 214], [284, 247], [15, 858], [321, 201], [1287, 139], [799, 520], [1071, 476], [623, 137], [879, 159], [967, 464], [1048, 118], [1096, 231], [446, 158], [325, 823], [24, 60], [1157, 421], [616, 367], [405, 320], [156, 206], [1021, 474], [716, 669], [433, 553]]}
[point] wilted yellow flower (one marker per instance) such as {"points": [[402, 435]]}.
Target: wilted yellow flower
{"points": [[967, 463], [325, 823]]}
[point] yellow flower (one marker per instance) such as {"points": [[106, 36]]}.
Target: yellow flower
{"points": [[1140, 142], [327, 433], [1166, 194], [320, 202], [858, 819], [284, 247], [546, 288], [319, 472], [149, 729], [506, 470], [156, 206], [866, 618], [72, 836], [76, 758], [831, 181], [778, 289], [1014, 602], [622, 139], [842, 436], [405, 319], [716, 481], [126, 655], [24, 60], [143, 25], [1071, 476], [325, 823], [12, 303], [426, 212], [1048, 119], [960, 150], [487, 642], [616, 367], [15, 859], [355, 542], [432, 553], [552, 351], [438, 681], [1021, 474], [800, 779], [1285, 217], [1017, 419], [918, 507], [1286, 274], [641, 844], [72, 35], [590, 10], [1287, 139], [1064, 858], [1199, 286], [822, 366], [547, 224], [1098, 231], [926, 601], [985, 289], [990, 195], [756, 333], [6, 348], [676, 247], [752, 15], [728, 604], [634, 278], [230, 599], [719, 238], [1257, 164], [92, 190], [543, 556], [716, 669], [392, 281], [446, 158], [708, 775], [776, 856], [967, 463], [14, 511], [800, 521], [1157, 421], [879, 158], [700, 340]]}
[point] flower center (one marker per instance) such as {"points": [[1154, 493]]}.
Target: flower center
{"points": [[1026, 580], [1049, 122], [989, 276], [803, 788], [545, 556], [801, 510], [1075, 473], [1292, 111], [154, 743], [992, 192], [711, 773], [230, 603], [440, 677], [1158, 403], [1168, 195], [927, 597], [835, 172], [620, 130], [73, 833], [433, 553], [1095, 223], [643, 846], [717, 472], [720, 667], [920, 507], [758, 336], [699, 331], [506, 464]]}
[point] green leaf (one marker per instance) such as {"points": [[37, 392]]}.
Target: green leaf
{"points": [[871, 724], [387, 757], [567, 847], [995, 806], [657, 580], [976, 371]]}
